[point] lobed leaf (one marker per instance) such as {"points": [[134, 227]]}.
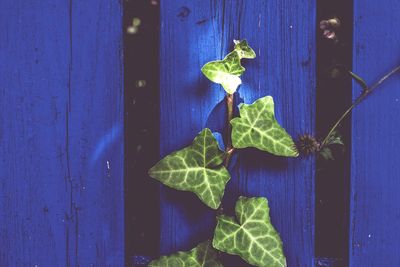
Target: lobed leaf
{"points": [[257, 127], [204, 255], [243, 49], [227, 71], [252, 236], [197, 168]]}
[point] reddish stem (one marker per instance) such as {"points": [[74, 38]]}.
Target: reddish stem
{"points": [[229, 148]]}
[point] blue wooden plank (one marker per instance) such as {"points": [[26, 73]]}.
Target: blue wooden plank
{"points": [[195, 32], [61, 133], [375, 179]]}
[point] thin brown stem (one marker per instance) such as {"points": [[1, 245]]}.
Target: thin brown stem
{"points": [[228, 155], [229, 148], [229, 106], [359, 99]]}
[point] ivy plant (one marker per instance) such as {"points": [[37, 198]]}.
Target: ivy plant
{"points": [[202, 168]]}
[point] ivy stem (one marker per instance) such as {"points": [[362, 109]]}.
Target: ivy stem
{"points": [[365, 93], [229, 148]]}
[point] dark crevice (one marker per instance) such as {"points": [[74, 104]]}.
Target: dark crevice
{"points": [[76, 236], [67, 258], [334, 94], [141, 63]]}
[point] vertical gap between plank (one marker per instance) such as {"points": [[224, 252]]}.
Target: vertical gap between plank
{"points": [[334, 95], [142, 130]]}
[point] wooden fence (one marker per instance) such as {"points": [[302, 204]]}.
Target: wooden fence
{"points": [[62, 126]]}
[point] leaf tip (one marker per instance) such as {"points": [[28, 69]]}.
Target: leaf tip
{"points": [[243, 49], [150, 172]]}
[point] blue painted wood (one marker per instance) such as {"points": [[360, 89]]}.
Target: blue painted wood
{"points": [[283, 36], [375, 183], [61, 133]]}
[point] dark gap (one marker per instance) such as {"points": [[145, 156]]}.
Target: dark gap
{"points": [[141, 56], [334, 94]]}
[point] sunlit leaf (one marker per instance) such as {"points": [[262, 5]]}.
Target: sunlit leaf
{"points": [[197, 168], [227, 71], [250, 235], [204, 255], [257, 127]]}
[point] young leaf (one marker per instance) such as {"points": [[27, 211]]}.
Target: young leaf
{"points": [[253, 237], [257, 127], [334, 139], [227, 71], [197, 168], [243, 49], [204, 255], [326, 153]]}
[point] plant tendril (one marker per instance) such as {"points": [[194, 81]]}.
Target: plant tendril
{"points": [[364, 94]]}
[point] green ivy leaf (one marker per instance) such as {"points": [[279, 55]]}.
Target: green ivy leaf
{"points": [[257, 127], [197, 168], [227, 71], [253, 237], [204, 255], [243, 49]]}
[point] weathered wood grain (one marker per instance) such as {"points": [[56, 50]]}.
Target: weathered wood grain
{"points": [[283, 35], [61, 133], [375, 183]]}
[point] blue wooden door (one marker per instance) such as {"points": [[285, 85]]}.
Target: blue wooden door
{"points": [[61, 133]]}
